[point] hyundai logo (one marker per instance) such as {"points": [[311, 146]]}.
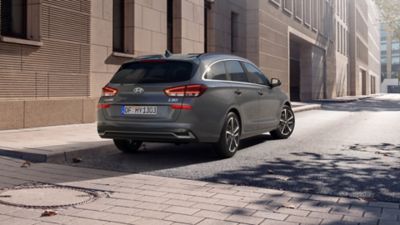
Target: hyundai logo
{"points": [[138, 91]]}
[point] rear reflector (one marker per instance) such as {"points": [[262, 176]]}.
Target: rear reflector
{"points": [[194, 90], [181, 106], [109, 91], [103, 106]]}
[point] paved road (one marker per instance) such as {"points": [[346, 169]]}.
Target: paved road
{"points": [[349, 149]]}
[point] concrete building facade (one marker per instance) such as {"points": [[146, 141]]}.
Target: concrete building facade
{"points": [[390, 61], [56, 55], [364, 48]]}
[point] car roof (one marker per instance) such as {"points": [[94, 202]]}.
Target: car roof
{"points": [[206, 58]]}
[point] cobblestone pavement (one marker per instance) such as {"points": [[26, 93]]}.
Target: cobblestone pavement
{"points": [[144, 199]]}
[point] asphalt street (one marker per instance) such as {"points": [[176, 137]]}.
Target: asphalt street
{"points": [[345, 149]]}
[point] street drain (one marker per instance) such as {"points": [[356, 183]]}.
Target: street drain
{"points": [[45, 196]]}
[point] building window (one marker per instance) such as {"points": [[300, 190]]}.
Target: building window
{"points": [[314, 19], [234, 31], [298, 10], [288, 6], [337, 37], [14, 18], [170, 25], [337, 7], [118, 25], [307, 12], [276, 2]]}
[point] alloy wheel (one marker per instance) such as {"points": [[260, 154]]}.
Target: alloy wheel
{"points": [[286, 124], [232, 134]]}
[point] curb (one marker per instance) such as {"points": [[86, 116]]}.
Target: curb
{"points": [[58, 157], [91, 150], [344, 100], [306, 108]]}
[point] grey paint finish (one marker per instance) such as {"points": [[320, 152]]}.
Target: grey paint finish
{"points": [[258, 107]]}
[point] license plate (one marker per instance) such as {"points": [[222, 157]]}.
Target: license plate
{"points": [[139, 110]]}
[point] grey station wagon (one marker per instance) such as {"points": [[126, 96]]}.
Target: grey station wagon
{"points": [[208, 98]]}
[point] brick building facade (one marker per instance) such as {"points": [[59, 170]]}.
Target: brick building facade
{"points": [[55, 55]]}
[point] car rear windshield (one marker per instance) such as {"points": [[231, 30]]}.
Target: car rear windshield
{"points": [[155, 71]]}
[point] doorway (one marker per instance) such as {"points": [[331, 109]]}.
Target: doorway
{"points": [[295, 80], [364, 82]]}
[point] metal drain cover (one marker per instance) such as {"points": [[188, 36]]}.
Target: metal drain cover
{"points": [[45, 196]]}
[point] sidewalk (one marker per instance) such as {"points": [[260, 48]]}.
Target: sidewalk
{"points": [[63, 143], [149, 200], [345, 99]]}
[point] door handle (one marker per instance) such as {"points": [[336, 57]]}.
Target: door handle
{"points": [[238, 92], [260, 93]]}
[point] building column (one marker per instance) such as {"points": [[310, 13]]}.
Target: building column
{"points": [[188, 26]]}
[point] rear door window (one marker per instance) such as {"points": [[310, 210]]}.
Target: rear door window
{"points": [[217, 72], [236, 71], [157, 71]]}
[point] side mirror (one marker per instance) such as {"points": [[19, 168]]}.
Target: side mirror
{"points": [[275, 82]]}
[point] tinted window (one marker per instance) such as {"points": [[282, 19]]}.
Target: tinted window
{"points": [[153, 72], [236, 72], [254, 75], [13, 18], [217, 72]]}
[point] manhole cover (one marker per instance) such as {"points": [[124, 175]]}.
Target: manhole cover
{"points": [[46, 196]]}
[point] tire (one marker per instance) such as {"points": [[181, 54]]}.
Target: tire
{"points": [[127, 145], [229, 140], [286, 124]]}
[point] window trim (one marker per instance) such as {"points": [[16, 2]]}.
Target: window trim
{"points": [[297, 17], [286, 9], [21, 41], [33, 29], [229, 81], [227, 78], [277, 3], [307, 23]]}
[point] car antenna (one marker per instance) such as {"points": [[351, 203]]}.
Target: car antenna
{"points": [[167, 53]]}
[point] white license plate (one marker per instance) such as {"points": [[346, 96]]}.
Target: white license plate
{"points": [[139, 110]]}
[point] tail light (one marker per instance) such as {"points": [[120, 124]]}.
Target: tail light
{"points": [[103, 106], [194, 90], [181, 106], [109, 91]]}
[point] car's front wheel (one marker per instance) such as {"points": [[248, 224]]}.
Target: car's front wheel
{"points": [[286, 124], [229, 140], [127, 145]]}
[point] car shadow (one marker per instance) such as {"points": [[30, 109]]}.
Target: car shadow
{"points": [[155, 156], [370, 178]]}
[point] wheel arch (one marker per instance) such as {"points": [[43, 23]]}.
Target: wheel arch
{"points": [[287, 103]]}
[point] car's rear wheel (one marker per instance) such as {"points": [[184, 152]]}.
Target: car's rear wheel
{"points": [[229, 140], [127, 145], [286, 124]]}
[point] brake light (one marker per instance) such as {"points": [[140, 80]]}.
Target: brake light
{"points": [[194, 90], [181, 106], [103, 106], [109, 91]]}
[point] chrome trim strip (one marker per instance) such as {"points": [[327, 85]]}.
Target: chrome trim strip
{"points": [[230, 81]]}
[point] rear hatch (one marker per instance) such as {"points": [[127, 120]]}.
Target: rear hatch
{"points": [[140, 90]]}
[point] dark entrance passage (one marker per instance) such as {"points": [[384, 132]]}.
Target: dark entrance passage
{"points": [[364, 82], [295, 80]]}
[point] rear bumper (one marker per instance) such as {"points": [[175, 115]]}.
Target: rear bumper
{"points": [[151, 132]]}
